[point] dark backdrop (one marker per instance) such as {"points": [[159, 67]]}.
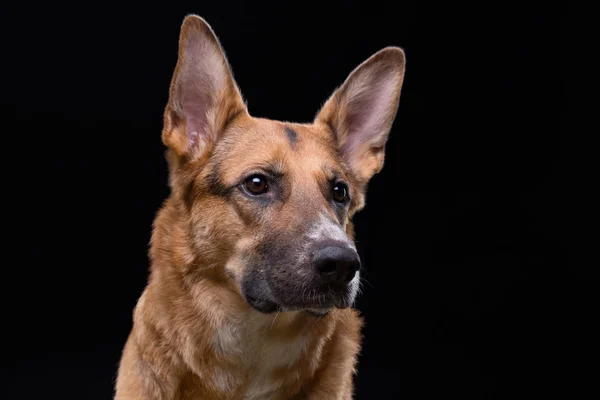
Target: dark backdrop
{"points": [[459, 238]]}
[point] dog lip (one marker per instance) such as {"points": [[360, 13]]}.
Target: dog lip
{"points": [[318, 313], [330, 296], [338, 301], [262, 305]]}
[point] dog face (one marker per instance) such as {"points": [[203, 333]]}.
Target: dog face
{"points": [[268, 203]]}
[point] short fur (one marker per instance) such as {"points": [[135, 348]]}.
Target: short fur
{"points": [[232, 308]]}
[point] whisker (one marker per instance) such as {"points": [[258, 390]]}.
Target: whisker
{"points": [[273, 322], [362, 278]]}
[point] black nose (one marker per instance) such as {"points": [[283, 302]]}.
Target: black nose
{"points": [[336, 264]]}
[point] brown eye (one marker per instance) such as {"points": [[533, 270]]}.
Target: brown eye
{"points": [[256, 184], [340, 192]]}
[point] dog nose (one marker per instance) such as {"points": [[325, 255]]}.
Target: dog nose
{"points": [[336, 264]]}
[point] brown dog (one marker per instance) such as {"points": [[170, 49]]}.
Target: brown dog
{"points": [[253, 265]]}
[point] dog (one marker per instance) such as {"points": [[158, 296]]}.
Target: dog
{"points": [[253, 264]]}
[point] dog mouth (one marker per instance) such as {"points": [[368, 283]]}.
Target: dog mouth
{"points": [[317, 306], [317, 298]]}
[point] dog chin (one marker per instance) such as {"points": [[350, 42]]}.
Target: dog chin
{"points": [[268, 307]]}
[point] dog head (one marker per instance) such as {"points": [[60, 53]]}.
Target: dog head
{"points": [[269, 203]]}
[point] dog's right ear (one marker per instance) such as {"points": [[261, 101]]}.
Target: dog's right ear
{"points": [[203, 96]]}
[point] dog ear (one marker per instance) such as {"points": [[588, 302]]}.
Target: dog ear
{"points": [[360, 113], [203, 96]]}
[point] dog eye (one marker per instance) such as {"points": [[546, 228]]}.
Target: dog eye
{"points": [[340, 192], [256, 184]]}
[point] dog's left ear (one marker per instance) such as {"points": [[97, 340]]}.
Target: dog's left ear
{"points": [[360, 113]]}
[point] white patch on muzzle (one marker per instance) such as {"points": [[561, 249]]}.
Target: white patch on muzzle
{"points": [[326, 229]]}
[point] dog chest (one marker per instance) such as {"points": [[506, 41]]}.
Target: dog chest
{"points": [[259, 355]]}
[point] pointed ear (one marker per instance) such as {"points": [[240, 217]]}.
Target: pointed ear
{"points": [[360, 113], [203, 96]]}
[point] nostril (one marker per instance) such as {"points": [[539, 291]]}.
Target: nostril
{"points": [[327, 267], [351, 272]]}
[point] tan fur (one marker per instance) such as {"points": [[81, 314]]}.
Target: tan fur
{"points": [[194, 336]]}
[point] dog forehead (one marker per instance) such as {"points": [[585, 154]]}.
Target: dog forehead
{"points": [[254, 141]]}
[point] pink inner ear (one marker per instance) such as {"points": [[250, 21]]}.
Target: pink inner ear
{"points": [[201, 76], [195, 105], [369, 105]]}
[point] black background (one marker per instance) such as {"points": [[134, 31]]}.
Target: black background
{"points": [[460, 237]]}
